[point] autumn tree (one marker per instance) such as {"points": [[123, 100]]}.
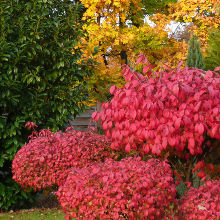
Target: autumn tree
{"points": [[118, 31], [202, 17]]}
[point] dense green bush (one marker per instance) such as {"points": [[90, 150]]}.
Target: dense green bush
{"points": [[212, 59], [40, 76], [194, 57]]}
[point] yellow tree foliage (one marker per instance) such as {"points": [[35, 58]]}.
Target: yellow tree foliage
{"points": [[117, 30], [202, 14]]}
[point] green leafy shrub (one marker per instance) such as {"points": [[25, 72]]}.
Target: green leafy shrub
{"points": [[212, 60], [40, 76], [11, 195]]}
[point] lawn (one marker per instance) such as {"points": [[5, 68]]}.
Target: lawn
{"points": [[34, 214]]}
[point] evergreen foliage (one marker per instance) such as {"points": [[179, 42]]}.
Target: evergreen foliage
{"points": [[213, 51], [194, 57], [40, 78]]}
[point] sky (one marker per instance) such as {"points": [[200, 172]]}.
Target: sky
{"points": [[173, 26]]}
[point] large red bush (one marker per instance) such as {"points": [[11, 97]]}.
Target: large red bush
{"points": [[202, 203], [45, 161], [128, 189], [175, 109]]}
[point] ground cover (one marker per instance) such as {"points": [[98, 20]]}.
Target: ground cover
{"points": [[33, 214]]}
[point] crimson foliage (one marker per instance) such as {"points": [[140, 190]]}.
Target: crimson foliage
{"points": [[128, 189], [45, 161], [174, 110], [202, 203]]}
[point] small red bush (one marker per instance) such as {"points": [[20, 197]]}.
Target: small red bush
{"points": [[129, 189], [202, 203], [45, 161], [203, 169], [173, 111]]}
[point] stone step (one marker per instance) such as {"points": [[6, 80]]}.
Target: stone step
{"points": [[82, 121]]}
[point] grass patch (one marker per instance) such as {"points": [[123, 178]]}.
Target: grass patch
{"points": [[34, 214]]}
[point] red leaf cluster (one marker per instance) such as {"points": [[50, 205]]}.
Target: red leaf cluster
{"points": [[174, 110], [46, 160], [204, 169], [128, 189], [202, 203], [30, 125]]}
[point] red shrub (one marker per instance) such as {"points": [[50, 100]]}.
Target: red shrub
{"points": [[45, 161], [203, 169], [176, 109], [129, 189], [202, 203]]}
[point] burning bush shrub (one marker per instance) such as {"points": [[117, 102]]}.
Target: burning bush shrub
{"points": [[128, 189], [202, 203], [45, 161], [173, 111]]}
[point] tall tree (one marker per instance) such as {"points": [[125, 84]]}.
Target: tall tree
{"points": [[119, 30], [202, 17]]}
